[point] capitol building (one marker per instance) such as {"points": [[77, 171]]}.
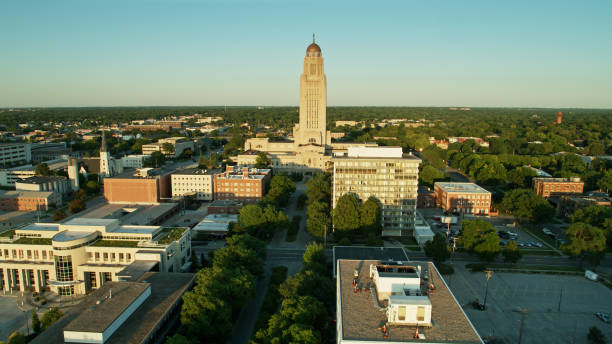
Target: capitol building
{"points": [[310, 148]]}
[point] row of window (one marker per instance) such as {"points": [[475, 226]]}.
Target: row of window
{"points": [[109, 257], [26, 254]]}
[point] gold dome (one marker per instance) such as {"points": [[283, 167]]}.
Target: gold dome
{"points": [[313, 47]]}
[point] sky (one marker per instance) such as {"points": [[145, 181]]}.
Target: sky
{"points": [[554, 54]]}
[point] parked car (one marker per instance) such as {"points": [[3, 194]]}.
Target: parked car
{"points": [[537, 244], [605, 317]]}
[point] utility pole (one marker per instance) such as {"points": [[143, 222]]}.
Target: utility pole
{"points": [[560, 298], [489, 274]]}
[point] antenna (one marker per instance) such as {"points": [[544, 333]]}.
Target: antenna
{"points": [[313, 38]]}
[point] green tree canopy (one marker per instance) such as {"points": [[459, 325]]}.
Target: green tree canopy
{"points": [[478, 236], [346, 214], [51, 316], [318, 220], [511, 252], [42, 169], [437, 248], [262, 160], [585, 241], [526, 205], [370, 213], [318, 188]]}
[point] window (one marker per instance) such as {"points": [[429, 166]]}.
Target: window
{"points": [[105, 254], [107, 276], [401, 313], [421, 313], [44, 254], [64, 291], [63, 268]]}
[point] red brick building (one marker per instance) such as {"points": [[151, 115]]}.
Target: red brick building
{"points": [[241, 184], [547, 187], [29, 200], [426, 198], [463, 198], [149, 187]]}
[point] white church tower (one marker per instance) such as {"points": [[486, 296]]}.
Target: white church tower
{"points": [[106, 166]]}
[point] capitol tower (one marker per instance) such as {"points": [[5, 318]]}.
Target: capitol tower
{"points": [[311, 129]]}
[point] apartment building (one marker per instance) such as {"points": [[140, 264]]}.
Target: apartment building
{"points": [[547, 187], [462, 198], [15, 153], [82, 254], [384, 173], [241, 184]]}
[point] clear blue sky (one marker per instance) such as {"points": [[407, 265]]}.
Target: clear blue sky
{"points": [[412, 53]]}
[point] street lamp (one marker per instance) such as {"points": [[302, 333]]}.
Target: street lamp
{"points": [[489, 274]]}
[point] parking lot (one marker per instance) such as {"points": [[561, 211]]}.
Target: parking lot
{"points": [[560, 309]]}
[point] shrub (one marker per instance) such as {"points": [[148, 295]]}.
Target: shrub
{"points": [[345, 242]]}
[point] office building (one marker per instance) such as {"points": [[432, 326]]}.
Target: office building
{"points": [[82, 254], [179, 144], [397, 302], [241, 184], [29, 200], [462, 198], [385, 173], [547, 187], [196, 183], [44, 183], [15, 153], [142, 310], [134, 160], [143, 186]]}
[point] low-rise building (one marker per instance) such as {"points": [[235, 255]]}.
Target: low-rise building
{"points": [[141, 310], [44, 183], [134, 160], [397, 302], [194, 182], [144, 186], [426, 198], [82, 254], [15, 153], [9, 176], [385, 173], [215, 225], [567, 205], [241, 184], [462, 198], [29, 200], [547, 187], [179, 144], [50, 151], [224, 207]]}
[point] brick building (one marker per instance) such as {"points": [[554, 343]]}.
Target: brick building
{"points": [[426, 198], [241, 184], [462, 198], [547, 187], [29, 200], [147, 186]]}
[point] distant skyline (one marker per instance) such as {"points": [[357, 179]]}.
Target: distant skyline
{"points": [[394, 53]]}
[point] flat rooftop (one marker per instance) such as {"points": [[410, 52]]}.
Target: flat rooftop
{"points": [[387, 254], [166, 290], [558, 180], [39, 226], [130, 214], [452, 187], [40, 179], [196, 171], [361, 315], [84, 221]]}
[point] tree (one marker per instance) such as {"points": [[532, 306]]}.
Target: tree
{"points": [[370, 216], [511, 252], [282, 182], [429, 175], [177, 339], [262, 160], [80, 194], [595, 336], [36, 324], [437, 249], [157, 159], [16, 338], [605, 182], [318, 221], [585, 241], [314, 258], [51, 316], [318, 188], [167, 148], [251, 215], [526, 205], [59, 215], [42, 169], [479, 237], [346, 214], [76, 205]]}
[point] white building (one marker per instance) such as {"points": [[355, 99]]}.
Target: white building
{"points": [[215, 224], [43, 183], [8, 177], [134, 160], [385, 173], [15, 153], [195, 182], [82, 254]]}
